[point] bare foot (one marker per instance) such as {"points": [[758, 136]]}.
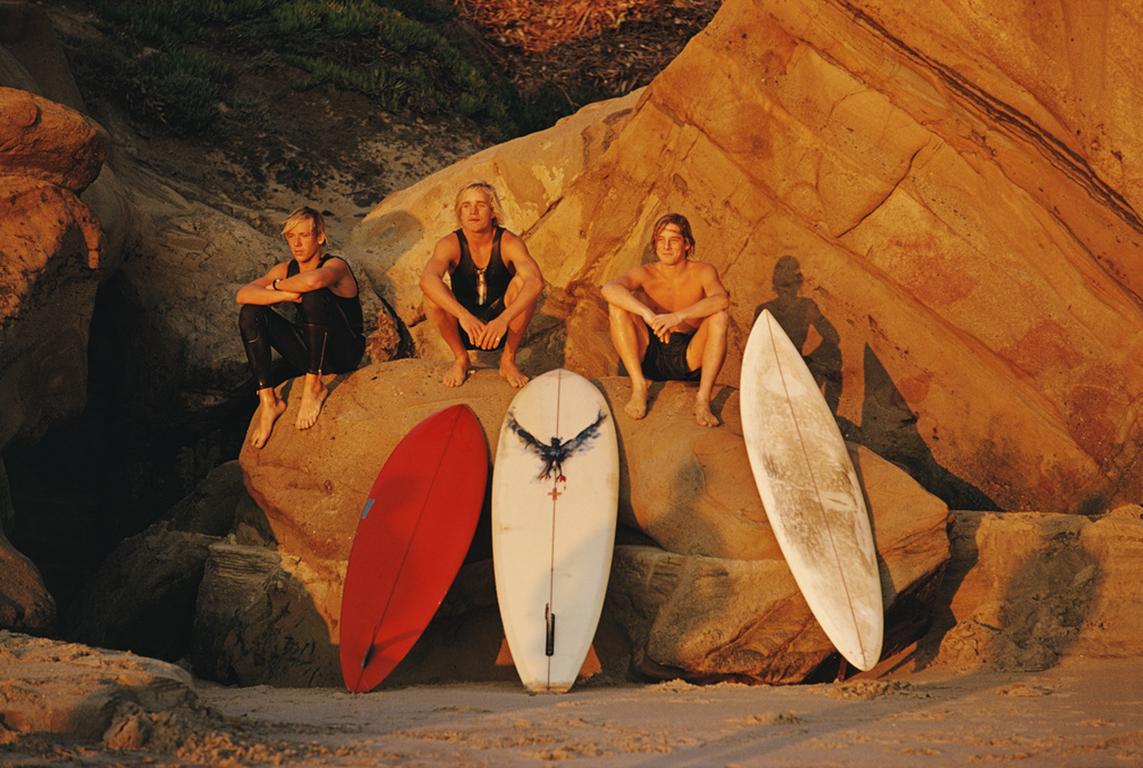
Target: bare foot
{"points": [[511, 373], [636, 407], [703, 414], [264, 417], [313, 395], [457, 372]]}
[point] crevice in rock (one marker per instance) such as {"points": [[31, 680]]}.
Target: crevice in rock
{"points": [[888, 194], [1058, 153]]}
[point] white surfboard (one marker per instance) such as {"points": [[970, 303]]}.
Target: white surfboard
{"points": [[555, 495], [810, 492]]}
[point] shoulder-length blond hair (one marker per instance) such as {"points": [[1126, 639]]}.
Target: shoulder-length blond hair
{"points": [[493, 200]]}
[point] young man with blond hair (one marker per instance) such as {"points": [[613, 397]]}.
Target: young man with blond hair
{"points": [[328, 336], [495, 283], [668, 319]]}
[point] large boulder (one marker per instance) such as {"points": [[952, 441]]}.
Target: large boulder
{"points": [[1025, 589], [25, 603], [48, 141], [262, 617], [695, 497], [144, 594], [52, 259], [89, 695], [951, 191]]}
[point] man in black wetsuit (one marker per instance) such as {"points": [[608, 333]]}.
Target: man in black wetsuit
{"points": [[329, 336], [668, 319], [495, 284]]}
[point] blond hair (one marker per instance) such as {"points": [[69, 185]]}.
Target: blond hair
{"points": [[303, 214], [493, 200]]}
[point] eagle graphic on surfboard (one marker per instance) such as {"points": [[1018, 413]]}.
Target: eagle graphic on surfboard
{"points": [[552, 538], [557, 451]]}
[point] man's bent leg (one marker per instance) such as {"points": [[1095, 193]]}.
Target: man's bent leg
{"points": [[708, 349], [630, 336], [330, 346], [516, 330], [262, 328], [449, 329]]}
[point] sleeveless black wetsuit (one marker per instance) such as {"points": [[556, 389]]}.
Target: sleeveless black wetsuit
{"points": [[328, 337], [481, 291]]}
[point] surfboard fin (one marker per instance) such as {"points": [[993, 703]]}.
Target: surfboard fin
{"points": [[550, 635]]}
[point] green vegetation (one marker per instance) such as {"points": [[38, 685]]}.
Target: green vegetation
{"points": [[168, 59]]}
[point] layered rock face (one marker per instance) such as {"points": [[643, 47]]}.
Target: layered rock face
{"points": [[119, 699], [52, 249], [952, 188], [1025, 589], [25, 604]]}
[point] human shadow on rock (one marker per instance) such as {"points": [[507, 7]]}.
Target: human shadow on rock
{"points": [[888, 426], [798, 315]]}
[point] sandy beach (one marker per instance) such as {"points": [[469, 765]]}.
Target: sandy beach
{"points": [[1082, 712]]}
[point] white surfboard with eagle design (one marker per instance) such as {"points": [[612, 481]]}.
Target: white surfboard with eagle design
{"points": [[555, 495]]}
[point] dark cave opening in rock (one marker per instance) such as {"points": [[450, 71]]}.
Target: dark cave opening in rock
{"points": [[117, 467]]}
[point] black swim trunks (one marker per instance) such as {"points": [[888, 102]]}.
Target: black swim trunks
{"points": [[668, 362]]}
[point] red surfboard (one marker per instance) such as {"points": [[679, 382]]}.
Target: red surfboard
{"points": [[415, 529]]}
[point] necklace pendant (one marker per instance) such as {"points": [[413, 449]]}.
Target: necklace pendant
{"points": [[481, 287]]}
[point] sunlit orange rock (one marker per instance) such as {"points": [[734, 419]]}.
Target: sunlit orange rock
{"points": [[45, 140], [955, 188]]}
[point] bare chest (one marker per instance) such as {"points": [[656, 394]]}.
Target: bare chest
{"points": [[670, 295]]}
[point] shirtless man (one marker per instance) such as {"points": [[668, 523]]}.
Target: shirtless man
{"points": [[329, 336], [495, 284], [668, 319]]}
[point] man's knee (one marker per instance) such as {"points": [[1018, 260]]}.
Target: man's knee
{"points": [[513, 291], [617, 314], [320, 308], [249, 319], [719, 322]]}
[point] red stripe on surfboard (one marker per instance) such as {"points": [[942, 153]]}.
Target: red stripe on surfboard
{"points": [[817, 490], [552, 545]]}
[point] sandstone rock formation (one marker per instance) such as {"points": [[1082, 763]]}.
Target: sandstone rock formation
{"points": [[257, 619], [143, 596], [25, 604], [52, 247], [957, 191], [696, 499], [42, 141], [1025, 589], [69, 690]]}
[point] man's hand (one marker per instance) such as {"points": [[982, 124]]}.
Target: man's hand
{"points": [[662, 325], [472, 327], [494, 332]]}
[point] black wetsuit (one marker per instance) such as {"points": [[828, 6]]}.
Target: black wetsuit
{"points": [[329, 337], [467, 279], [668, 362]]}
